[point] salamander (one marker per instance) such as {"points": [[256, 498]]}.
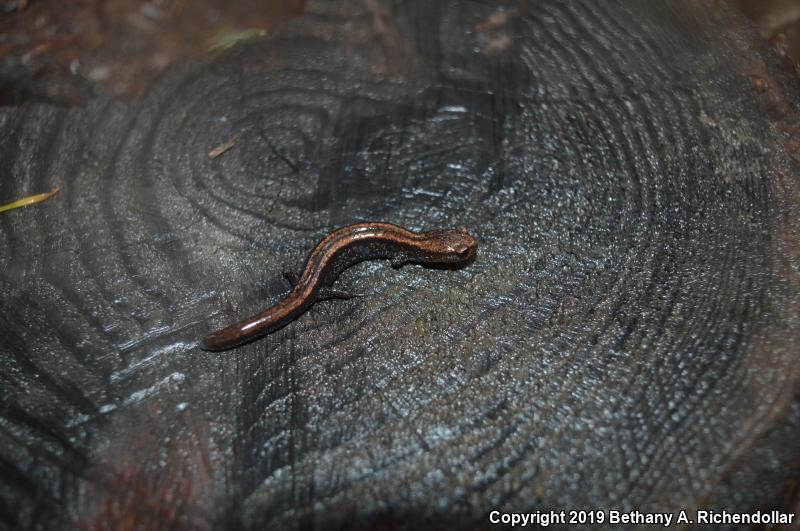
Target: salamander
{"points": [[336, 252]]}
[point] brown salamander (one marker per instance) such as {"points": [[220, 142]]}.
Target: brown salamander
{"points": [[339, 250]]}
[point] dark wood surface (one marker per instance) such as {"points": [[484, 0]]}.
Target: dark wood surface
{"points": [[627, 338]]}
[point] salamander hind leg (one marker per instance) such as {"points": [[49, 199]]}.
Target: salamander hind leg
{"points": [[325, 294]]}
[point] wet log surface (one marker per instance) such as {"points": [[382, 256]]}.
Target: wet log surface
{"points": [[627, 337]]}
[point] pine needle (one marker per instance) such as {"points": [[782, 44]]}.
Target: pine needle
{"points": [[228, 37], [31, 199]]}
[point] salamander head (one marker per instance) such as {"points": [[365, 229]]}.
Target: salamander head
{"points": [[450, 247]]}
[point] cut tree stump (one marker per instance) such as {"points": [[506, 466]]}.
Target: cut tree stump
{"points": [[626, 339]]}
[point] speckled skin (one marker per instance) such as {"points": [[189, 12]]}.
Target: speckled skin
{"points": [[339, 250]]}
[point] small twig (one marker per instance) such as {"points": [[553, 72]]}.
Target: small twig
{"points": [[31, 199], [225, 146]]}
